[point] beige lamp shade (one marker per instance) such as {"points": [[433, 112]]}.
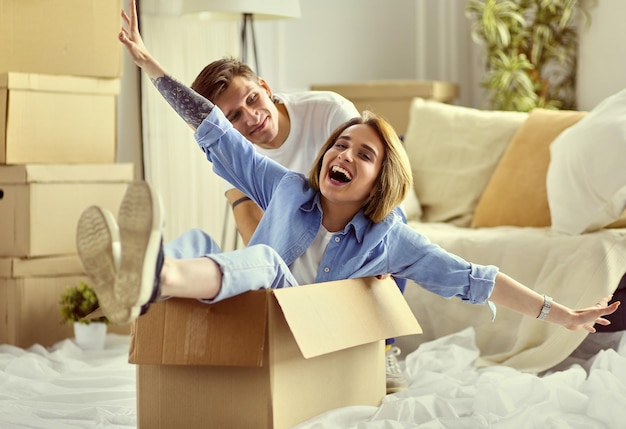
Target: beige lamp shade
{"points": [[233, 9]]}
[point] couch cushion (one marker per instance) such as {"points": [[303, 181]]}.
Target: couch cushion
{"points": [[453, 151], [586, 180], [516, 193]]}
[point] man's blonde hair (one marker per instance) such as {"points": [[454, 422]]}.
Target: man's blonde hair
{"points": [[215, 78]]}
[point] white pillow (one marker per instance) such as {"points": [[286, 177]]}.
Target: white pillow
{"points": [[586, 180], [453, 151]]}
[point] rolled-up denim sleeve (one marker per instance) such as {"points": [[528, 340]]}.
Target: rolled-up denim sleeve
{"points": [[214, 126], [481, 283]]}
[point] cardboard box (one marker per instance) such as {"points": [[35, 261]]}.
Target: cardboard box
{"points": [[65, 37], [392, 98], [40, 204], [266, 359], [57, 119], [29, 300]]}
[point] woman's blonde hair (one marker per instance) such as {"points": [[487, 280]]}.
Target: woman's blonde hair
{"points": [[395, 177]]}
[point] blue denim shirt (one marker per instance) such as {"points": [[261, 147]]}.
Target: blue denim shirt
{"points": [[293, 216]]}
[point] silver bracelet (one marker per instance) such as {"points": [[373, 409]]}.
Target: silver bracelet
{"points": [[545, 310]]}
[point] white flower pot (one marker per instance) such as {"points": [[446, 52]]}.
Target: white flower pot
{"points": [[90, 337]]}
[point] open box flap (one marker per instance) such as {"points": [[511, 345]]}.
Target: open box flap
{"points": [[188, 332], [327, 317]]}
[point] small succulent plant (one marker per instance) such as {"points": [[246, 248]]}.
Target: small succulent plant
{"points": [[77, 302]]}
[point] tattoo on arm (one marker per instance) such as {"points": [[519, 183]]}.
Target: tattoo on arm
{"points": [[190, 105]]}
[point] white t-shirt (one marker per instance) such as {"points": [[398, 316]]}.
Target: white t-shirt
{"points": [[314, 115], [304, 269]]}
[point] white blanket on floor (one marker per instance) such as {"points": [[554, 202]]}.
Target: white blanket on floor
{"points": [[64, 387]]}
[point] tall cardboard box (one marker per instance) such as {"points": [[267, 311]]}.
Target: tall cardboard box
{"points": [[266, 359], [40, 204], [392, 98], [29, 300], [64, 37], [57, 119]]}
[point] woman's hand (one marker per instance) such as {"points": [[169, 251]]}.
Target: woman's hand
{"points": [[587, 317]]}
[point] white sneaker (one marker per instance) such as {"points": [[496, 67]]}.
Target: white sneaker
{"points": [[140, 221], [395, 379], [97, 243]]}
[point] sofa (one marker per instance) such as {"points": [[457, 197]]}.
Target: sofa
{"points": [[537, 194]]}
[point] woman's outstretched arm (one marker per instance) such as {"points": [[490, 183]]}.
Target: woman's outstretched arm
{"points": [[512, 294], [190, 105]]}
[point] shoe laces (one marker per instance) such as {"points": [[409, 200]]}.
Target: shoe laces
{"points": [[391, 361]]}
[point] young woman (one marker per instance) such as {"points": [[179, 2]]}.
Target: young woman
{"points": [[337, 224]]}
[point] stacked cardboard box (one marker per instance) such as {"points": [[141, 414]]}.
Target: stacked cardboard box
{"points": [[60, 70], [392, 98], [29, 292]]}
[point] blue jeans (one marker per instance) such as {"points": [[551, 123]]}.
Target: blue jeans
{"points": [[252, 268]]}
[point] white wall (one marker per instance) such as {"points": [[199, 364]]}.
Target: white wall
{"points": [[338, 41], [356, 40], [602, 58]]}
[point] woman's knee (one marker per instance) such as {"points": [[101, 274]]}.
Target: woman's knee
{"points": [[192, 243]]}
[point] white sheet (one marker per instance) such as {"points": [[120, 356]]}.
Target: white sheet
{"points": [[65, 387]]}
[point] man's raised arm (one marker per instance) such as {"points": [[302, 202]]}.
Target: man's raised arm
{"points": [[190, 105]]}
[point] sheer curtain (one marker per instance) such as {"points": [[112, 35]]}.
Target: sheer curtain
{"points": [[445, 50], [174, 165]]}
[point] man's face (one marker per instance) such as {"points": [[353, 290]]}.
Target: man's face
{"points": [[248, 106]]}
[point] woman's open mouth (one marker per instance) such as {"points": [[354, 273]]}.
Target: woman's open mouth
{"points": [[339, 174]]}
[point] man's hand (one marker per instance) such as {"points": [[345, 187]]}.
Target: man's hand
{"points": [[131, 39]]}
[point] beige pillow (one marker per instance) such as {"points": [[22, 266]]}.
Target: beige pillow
{"points": [[453, 152], [516, 193]]}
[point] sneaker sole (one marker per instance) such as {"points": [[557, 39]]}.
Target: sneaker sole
{"points": [[96, 235], [140, 222]]}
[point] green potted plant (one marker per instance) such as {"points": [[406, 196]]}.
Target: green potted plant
{"points": [[76, 303], [531, 51]]}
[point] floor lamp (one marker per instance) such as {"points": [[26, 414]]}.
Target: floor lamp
{"points": [[247, 11]]}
